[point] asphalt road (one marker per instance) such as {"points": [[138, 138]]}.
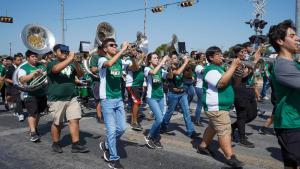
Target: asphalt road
{"points": [[17, 152]]}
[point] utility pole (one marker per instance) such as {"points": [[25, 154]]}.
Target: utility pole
{"points": [[145, 17], [63, 21], [9, 48], [297, 15]]}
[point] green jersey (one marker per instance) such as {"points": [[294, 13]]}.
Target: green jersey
{"points": [[27, 69], [154, 83], [61, 85], [215, 99]]}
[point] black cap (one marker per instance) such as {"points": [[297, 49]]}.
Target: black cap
{"points": [[29, 53]]}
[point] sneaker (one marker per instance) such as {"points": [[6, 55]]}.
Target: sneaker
{"points": [[150, 117], [234, 162], [15, 114], [77, 148], [104, 150], [194, 135], [246, 143], [204, 151], [158, 144], [150, 142], [21, 117], [136, 126], [115, 164], [56, 147], [34, 137], [264, 131], [266, 98]]}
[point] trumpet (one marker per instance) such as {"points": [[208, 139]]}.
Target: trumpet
{"points": [[239, 71]]}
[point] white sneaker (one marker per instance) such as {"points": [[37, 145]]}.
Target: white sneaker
{"points": [[21, 117], [266, 98]]}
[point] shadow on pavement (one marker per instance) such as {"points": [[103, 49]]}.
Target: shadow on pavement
{"points": [[275, 153]]}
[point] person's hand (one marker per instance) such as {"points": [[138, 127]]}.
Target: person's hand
{"points": [[125, 45], [236, 62], [37, 72], [165, 58], [71, 55]]}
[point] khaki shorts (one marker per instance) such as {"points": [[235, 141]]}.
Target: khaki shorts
{"points": [[61, 109], [220, 122]]}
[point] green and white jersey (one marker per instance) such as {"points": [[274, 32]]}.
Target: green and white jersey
{"points": [[215, 99], [154, 83], [199, 76], [26, 69], [110, 79], [134, 78]]}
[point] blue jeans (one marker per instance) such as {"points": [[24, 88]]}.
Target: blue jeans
{"points": [[173, 100], [115, 123], [266, 86], [189, 89], [199, 92], [157, 108]]}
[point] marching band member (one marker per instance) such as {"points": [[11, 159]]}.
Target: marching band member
{"points": [[177, 95], [155, 96], [35, 101], [286, 82], [218, 100], [62, 97], [110, 73], [13, 96], [134, 85]]}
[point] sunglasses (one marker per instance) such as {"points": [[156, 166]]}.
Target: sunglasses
{"points": [[112, 45]]}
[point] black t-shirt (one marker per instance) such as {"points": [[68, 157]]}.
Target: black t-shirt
{"points": [[9, 73]]}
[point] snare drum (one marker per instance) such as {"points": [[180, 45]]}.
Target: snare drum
{"points": [[83, 91]]}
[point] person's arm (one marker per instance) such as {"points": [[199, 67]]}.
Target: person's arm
{"points": [[182, 67], [61, 65], [157, 68], [287, 74], [78, 69], [228, 74], [114, 59], [26, 78]]}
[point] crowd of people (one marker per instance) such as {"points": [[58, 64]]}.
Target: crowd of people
{"points": [[167, 84]]}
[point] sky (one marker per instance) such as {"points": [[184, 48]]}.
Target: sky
{"points": [[207, 23]]}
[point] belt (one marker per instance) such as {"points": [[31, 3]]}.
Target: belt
{"points": [[177, 90]]}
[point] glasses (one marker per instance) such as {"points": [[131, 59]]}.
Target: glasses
{"points": [[112, 45]]}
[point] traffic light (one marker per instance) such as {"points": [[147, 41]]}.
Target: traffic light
{"points": [[6, 19], [262, 24], [187, 3], [157, 9]]}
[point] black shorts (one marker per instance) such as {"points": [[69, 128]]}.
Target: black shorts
{"points": [[36, 104], [136, 94], [14, 93], [289, 141]]}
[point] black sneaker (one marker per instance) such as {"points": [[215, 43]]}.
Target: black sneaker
{"points": [[56, 147], [137, 126], [77, 148], [115, 164], [204, 151], [34, 137], [246, 143], [104, 150], [234, 162], [150, 142], [158, 144], [264, 131], [194, 135]]}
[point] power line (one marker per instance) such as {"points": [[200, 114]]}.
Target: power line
{"points": [[121, 12]]}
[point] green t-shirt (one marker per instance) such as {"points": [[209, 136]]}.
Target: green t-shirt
{"points": [[61, 85], [2, 70], [94, 63], [28, 69]]}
